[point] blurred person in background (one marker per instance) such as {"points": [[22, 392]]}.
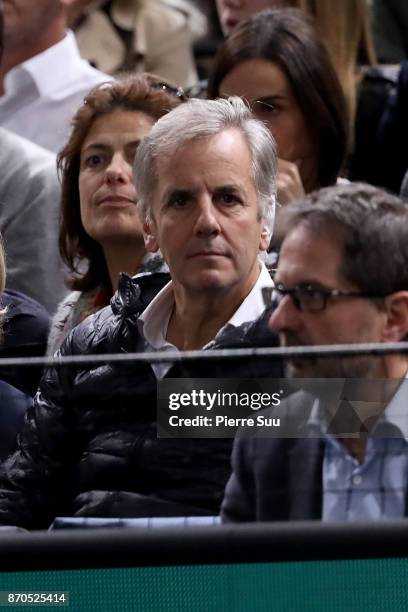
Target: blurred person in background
{"points": [[390, 21], [29, 191], [43, 79], [391, 155], [345, 31], [275, 62], [13, 402], [122, 36], [29, 195], [100, 231]]}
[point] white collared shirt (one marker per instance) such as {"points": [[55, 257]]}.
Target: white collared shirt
{"points": [[42, 94], [155, 319]]}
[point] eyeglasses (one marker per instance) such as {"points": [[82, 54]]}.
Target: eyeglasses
{"points": [[171, 89], [309, 298]]}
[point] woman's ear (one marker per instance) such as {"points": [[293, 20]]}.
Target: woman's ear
{"points": [[149, 237], [396, 326]]}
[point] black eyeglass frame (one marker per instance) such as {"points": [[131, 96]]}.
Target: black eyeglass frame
{"points": [[299, 293]]}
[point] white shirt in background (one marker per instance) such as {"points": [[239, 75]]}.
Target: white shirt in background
{"points": [[43, 93]]}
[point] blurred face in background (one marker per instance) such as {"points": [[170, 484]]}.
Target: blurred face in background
{"points": [[106, 188], [267, 90], [231, 12], [25, 19]]}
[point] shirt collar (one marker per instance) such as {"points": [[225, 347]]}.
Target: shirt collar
{"points": [[56, 61], [154, 320], [253, 305], [396, 413]]}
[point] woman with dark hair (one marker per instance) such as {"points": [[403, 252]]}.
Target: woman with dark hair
{"points": [[100, 232], [275, 61]]}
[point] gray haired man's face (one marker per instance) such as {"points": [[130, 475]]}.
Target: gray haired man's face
{"points": [[205, 216]]}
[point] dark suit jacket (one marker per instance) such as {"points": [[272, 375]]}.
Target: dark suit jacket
{"points": [[278, 479]]}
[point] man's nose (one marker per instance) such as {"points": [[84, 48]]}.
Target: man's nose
{"points": [[207, 222], [118, 170], [285, 317]]}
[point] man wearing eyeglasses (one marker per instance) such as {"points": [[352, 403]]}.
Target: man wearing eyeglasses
{"points": [[342, 278]]}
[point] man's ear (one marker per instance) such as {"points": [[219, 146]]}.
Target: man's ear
{"points": [[264, 239], [149, 237], [396, 327]]}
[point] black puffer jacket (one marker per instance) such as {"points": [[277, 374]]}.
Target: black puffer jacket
{"points": [[89, 446]]}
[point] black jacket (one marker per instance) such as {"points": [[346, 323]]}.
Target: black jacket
{"points": [[277, 479], [89, 446], [25, 330]]}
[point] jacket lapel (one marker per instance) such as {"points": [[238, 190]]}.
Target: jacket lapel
{"points": [[305, 479]]}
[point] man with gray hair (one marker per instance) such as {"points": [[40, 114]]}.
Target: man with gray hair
{"points": [[206, 188]]}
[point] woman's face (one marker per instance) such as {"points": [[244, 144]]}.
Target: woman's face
{"points": [[106, 189], [232, 12], [267, 90]]}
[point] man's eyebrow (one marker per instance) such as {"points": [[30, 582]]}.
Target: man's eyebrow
{"points": [[173, 192], [227, 188]]}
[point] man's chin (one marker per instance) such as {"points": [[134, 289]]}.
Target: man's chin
{"points": [[210, 280], [301, 368]]}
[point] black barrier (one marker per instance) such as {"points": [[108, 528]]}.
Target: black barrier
{"points": [[249, 568], [332, 350], [230, 543]]}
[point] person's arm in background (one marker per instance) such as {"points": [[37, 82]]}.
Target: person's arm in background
{"points": [[29, 205]]}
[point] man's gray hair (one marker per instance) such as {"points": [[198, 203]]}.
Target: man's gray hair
{"points": [[200, 119]]}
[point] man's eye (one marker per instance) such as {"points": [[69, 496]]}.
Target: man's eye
{"points": [[312, 292], [178, 202], [228, 199]]}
